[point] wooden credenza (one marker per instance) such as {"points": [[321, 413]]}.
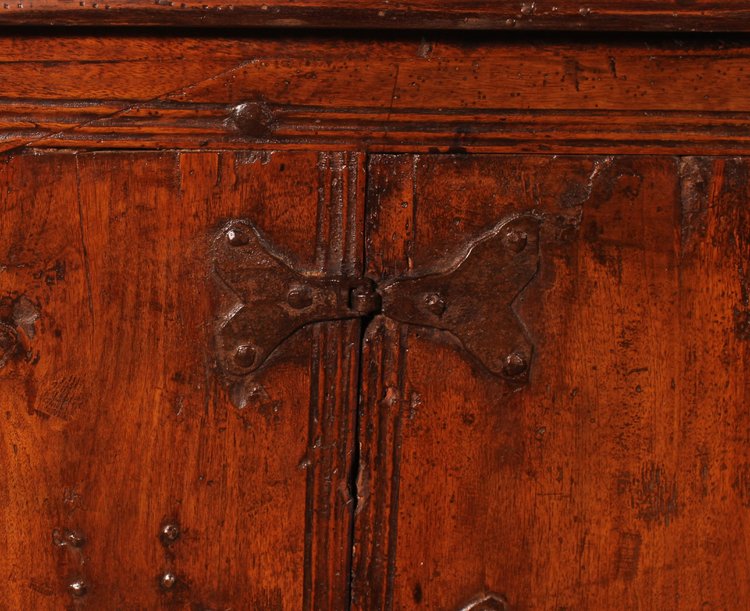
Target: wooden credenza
{"points": [[398, 305]]}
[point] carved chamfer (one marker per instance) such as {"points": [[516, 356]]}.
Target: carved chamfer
{"points": [[473, 298], [487, 602], [269, 299]]}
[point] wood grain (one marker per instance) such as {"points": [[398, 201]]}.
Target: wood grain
{"points": [[371, 464], [117, 422], [636, 15], [437, 94], [617, 478]]}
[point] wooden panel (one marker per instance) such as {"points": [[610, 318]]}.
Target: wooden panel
{"points": [[116, 421], [639, 15], [544, 94], [617, 477]]}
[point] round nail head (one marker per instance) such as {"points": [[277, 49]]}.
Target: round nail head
{"points": [[168, 580], [73, 538], [170, 532], [253, 119], [237, 236], [514, 365], [516, 240], [77, 587], [434, 303], [244, 356]]}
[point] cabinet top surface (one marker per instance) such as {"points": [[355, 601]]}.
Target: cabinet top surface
{"points": [[583, 15]]}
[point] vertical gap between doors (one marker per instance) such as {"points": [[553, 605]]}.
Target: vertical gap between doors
{"points": [[356, 467]]}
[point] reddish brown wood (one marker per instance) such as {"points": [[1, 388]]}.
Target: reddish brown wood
{"points": [[616, 479], [638, 15], [116, 421], [436, 94], [136, 474]]}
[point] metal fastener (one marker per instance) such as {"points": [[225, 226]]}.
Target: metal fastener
{"points": [[300, 297], [238, 236], [364, 299], [170, 532], [514, 365], [78, 587], [167, 580], [74, 539], [244, 356], [253, 119], [434, 303]]}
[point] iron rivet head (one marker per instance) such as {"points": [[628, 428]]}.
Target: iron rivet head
{"points": [[253, 119], [514, 365], [516, 240], [244, 356], [300, 297], [364, 299], [237, 236], [170, 532], [74, 539], [434, 303], [167, 581], [78, 587]]}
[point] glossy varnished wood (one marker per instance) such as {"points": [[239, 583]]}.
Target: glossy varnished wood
{"points": [[616, 478], [370, 464], [116, 420], [442, 93]]}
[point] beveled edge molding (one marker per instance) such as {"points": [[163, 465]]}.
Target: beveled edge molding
{"points": [[34, 124], [591, 15]]}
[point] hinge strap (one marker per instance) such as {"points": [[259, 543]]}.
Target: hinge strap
{"points": [[469, 296]]}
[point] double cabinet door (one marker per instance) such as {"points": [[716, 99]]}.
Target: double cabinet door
{"points": [[331, 380]]}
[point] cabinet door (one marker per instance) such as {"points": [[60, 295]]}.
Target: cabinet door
{"points": [[132, 475], [617, 475]]}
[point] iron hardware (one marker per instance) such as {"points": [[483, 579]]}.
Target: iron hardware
{"points": [[469, 296]]}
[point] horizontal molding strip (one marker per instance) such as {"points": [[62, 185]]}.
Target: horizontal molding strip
{"points": [[117, 124], [416, 93], [634, 15]]}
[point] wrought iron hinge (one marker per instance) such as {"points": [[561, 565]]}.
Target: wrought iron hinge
{"points": [[469, 296]]}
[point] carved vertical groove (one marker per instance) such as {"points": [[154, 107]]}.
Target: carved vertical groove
{"points": [[335, 354], [384, 389]]}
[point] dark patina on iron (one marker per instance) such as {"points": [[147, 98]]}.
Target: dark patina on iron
{"points": [[469, 296]]}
